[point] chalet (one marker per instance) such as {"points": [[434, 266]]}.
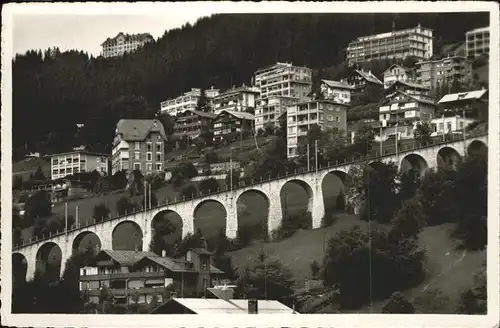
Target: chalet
{"points": [[190, 123], [230, 124], [398, 73], [338, 91], [360, 79]]}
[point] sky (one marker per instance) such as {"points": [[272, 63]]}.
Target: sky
{"points": [[87, 32]]}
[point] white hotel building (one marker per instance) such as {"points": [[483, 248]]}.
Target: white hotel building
{"points": [[123, 43], [236, 99], [65, 164], [280, 85], [186, 101], [416, 42]]}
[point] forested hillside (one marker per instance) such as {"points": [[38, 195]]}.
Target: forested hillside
{"points": [[53, 91]]}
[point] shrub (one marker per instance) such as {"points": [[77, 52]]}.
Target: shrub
{"points": [[101, 212], [189, 191], [329, 218], [292, 223], [124, 205], [209, 185]]}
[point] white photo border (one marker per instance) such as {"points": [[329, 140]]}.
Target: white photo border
{"points": [[261, 320]]}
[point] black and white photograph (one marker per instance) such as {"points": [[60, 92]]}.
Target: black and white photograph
{"points": [[313, 163]]}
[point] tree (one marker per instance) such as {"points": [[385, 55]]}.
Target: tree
{"points": [[315, 268], [398, 303], [17, 183], [189, 191], [363, 139], [340, 201], [268, 279], [124, 206], [224, 263], [184, 171], [101, 212], [119, 180], [474, 300], [408, 221], [208, 186], [409, 183], [38, 205], [168, 123], [431, 301], [136, 183], [422, 133], [210, 156], [39, 176], [202, 105], [162, 230]]}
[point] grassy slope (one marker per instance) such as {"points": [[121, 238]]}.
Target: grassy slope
{"points": [[450, 270]]}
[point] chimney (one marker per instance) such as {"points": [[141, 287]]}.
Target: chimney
{"points": [[253, 307], [163, 253]]}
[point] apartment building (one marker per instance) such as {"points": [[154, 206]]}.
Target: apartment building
{"points": [[416, 42], [449, 124], [283, 79], [337, 91], [123, 43], [131, 276], [469, 104], [477, 42], [139, 145], [303, 115], [65, 164], [398, 73], [186, 101], [401, 110], [230, 125], [444, 71], [270, 109], [191, 122], [236, 99]]}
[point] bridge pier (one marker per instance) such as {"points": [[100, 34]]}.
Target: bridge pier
{"points": [[186, 212], [316, 205], [275, 215]]}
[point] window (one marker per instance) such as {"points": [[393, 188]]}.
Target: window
{"points": [[448, 126], [137, 155], [149, 156], [461, 125], [149, 146], [441, 126], [149, 166], [158, 146], [137, 166], [158, 157], [158, 166], [97, 159], [55, 161], [54, 172], [137, 145]]}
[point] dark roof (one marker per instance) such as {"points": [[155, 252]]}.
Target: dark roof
{"points": [[417, 98], [338, 84], [369, 77], [238, 115], [406, 69], [125, 258], [410, 85], [175, 265], [80, 152], [138, 130]]}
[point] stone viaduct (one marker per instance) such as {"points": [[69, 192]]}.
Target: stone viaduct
{"points": [[418, 158]]}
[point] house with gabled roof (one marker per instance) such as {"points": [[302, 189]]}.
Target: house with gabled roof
{"points": [[407, 87], [359, 79], [398, 73], [138, 145], [337, 91], [400, 111], [232, 124], [191, 123], [138, 277]]}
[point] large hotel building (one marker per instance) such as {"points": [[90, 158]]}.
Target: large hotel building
{"points": [[416, 42], [279, 83], [477, 42], [186, 101], [123, 43]]}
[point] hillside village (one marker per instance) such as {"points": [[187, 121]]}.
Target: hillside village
{"points": [[391, 92]]}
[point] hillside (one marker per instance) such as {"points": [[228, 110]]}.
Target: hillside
{"points": [[72, 88]]}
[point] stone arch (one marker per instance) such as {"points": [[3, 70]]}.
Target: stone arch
{"points": [[252, 211], [413, 162], [333, 186], [86, 240], [477, 147], [213, 218], [127, 235], [376, 164], [448, 157], [169, 224], [49, 260], [293, 201], [19, 268]]}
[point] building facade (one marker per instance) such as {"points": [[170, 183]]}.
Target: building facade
{"points": [[270, 109], [432, 73], [186, 101], [124, 43], [416, 42], [65, 164], [236, 99], [303, 115], [477, 42], [191, 123], [359, 79], [401, 111], [139, 145], [398, 73], [410, 88], [133, 276], [229, 125], [337, 91], [283, 79]]}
